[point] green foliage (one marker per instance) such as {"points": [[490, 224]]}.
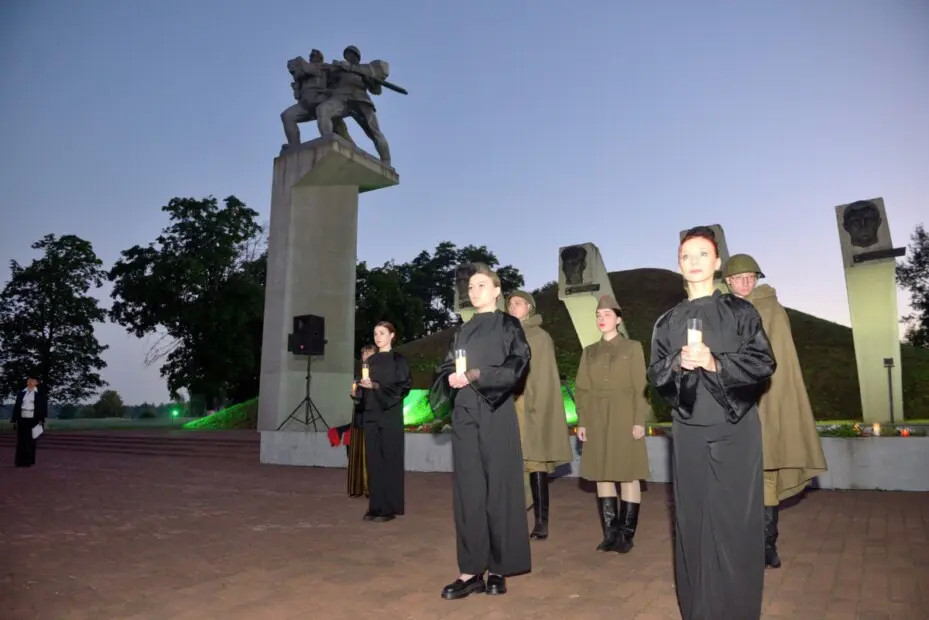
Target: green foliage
{"points": [[47, 321], [200, 286], [109, 405], [913, 275], [67, 412], [418, 297]]}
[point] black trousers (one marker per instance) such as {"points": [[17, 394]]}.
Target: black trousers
{"points": [[719, 519], [25, 444], [384, 452], [490, 510]]}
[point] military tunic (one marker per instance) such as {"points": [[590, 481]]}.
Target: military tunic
{"points": [[610, 399]]}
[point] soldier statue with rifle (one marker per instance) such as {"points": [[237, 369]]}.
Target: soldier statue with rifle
{"points": [[329, 93]]}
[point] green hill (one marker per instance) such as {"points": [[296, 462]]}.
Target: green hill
{"points": [[825, 349]]}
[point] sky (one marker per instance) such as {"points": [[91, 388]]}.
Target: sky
{"points": [[529, 126]]}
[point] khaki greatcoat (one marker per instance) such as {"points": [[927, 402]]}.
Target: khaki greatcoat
{"points": [[611, 399], [543, 429], [791, 441]]}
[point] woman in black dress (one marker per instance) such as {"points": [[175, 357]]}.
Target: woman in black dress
{"points": [[490, 512], [357, 461], [383, 390], [712, 372]]}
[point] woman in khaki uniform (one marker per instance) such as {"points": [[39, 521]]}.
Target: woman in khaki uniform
{"points": [[611, 411]]}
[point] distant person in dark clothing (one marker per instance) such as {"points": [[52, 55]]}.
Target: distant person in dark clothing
{"points": [[29, 412]]}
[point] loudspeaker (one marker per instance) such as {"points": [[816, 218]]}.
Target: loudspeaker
{"points": [[309, 337]]}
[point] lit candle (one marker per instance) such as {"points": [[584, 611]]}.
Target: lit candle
{"points": [[364, 372], [461, 362], [905, 432], [876, 429]]}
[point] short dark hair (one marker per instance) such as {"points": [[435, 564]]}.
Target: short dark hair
{"points": [[700, 232], [368, 348]]}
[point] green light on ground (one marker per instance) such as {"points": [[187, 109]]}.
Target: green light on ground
{"points": [[416, 409]]}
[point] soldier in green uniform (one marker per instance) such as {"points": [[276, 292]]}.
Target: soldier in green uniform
{"points": [[793, 453], [540, 412]]}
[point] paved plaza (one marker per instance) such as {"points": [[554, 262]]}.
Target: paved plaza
{"points": [[107, 535]]}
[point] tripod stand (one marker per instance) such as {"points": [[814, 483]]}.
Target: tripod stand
{"points": [[310, 412]]}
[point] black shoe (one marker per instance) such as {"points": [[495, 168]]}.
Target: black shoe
{"points": [[771, 558], [496, 584], [628, 522], [538, 483], [460, 589], [383, 518], [610, 523], [370, 516]]}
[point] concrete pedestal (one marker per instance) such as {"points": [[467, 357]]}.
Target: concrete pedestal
{"points": [[311, 270]]}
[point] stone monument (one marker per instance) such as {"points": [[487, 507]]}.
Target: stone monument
{"points": [[582, 280], [313, 238], [869, 259]]}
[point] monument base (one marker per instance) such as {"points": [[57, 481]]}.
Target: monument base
{"points": [[877, 463], [311, 270]]}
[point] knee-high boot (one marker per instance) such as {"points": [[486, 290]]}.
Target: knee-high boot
{"points": [[610, 522], [538, 482], [771, 558], [628, 522]]}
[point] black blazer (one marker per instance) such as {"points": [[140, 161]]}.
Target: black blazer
{"points": [[41, 406]]}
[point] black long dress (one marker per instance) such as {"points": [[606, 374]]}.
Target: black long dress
{"points": [[717, 450], [383, 431], [490, 511]]}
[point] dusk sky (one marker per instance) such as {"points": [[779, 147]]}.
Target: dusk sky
{"points": [[529, 126]]}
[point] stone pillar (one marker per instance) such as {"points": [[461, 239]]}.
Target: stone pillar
{"points": [[582, 280], [311, 270], [870, 280], [720, 236]]}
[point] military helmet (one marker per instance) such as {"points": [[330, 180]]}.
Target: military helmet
{"points": [[352, 48], [741, 263]]}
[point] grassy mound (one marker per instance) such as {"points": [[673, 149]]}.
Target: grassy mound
{"points": [[241, 416]]}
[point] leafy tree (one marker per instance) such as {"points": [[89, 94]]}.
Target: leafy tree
{"points": [[109, 405], [913, 275], [418, 297], [47, 321], [200, 287], [67, 411]]}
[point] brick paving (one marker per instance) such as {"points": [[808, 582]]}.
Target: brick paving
{"points": [[102, 535]]}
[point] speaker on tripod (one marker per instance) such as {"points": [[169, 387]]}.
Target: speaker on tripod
{"points": [[309, 339]]}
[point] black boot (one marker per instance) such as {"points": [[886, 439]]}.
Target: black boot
{"points": [[610, 523], [770, 537], [628, 521], [538, 482]]}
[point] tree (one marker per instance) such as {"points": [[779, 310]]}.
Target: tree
{"points": [[418, 297], [47, 321], [109, 405], [913, 275], [200, 287]]}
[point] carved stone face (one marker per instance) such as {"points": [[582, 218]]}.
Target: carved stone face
{"points": [[316, 56], [573, 263], [862, 221], [462, 276]]}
